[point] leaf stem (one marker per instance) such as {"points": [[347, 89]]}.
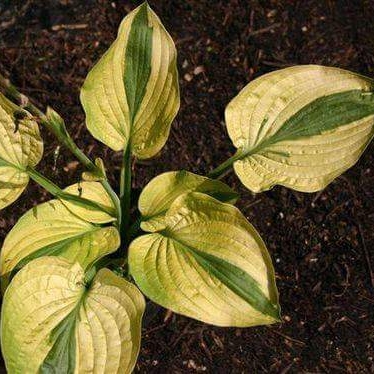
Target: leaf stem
{"points": [[56, 191], [114, 197], [125, 194], [225, 167], [60, 133], [135, 228]]}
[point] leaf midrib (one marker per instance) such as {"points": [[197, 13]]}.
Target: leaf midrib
{"points": [[6, 163]]}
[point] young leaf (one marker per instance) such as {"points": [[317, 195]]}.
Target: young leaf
{"points": [[300, 127], [52, 320], [208, 263], [51, 229], [20, 147], [57, 123], [95, 176], [131, 96], [158, 195]]}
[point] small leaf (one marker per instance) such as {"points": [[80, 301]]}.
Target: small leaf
{"points": [[208, 263], [98, 176], [300, 127], [51, 229], [158, 195], [52, 321], [93, 191], [20, 147], [131, 96], [57, 123]]}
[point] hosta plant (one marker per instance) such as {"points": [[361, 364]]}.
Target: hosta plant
{"points": [[74, 269]]}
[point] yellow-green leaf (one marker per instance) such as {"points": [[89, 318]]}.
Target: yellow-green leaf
{"points": [[93, 191], [208, 263], [52, 320], [131, 96], [158, 195], [52, 229], [300, 127], [20, 147], [95, 176]]}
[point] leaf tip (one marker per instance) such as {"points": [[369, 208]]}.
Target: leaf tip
{"points": [[277, 315]]}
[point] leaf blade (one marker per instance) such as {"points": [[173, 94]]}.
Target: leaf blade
{"points": [[169, 267], [23, 321], [125, 103], [21, 146], [93, 191], [59, 321], [51, 229], [300, 127], [159, 194]]}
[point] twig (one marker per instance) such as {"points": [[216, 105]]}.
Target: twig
{"points": [[177, 340], [336, 208], [78, 26], [154, 329], [287, 337], [265, 29]]}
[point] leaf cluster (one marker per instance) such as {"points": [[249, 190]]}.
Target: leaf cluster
{"points": [[74, 269]]}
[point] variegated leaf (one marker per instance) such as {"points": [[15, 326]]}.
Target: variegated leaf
{"points": [[300, 127], [20, 147], [131, 96], [56, 320], [208, 263]]}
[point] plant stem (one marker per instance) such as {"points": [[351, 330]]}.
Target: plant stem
{"points": [[56, 191], [125, 194], [226, 166], [135, 228], [63, 137]]}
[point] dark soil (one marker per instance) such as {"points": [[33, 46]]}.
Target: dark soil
{"points": [[321, 244]]}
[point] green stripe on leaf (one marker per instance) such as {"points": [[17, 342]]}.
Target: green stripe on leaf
{"points": [[326, 114], [207, 262], [237, 280], [138, 60], [61, 357], [55, 320], [299, 127], [131, 95]]}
